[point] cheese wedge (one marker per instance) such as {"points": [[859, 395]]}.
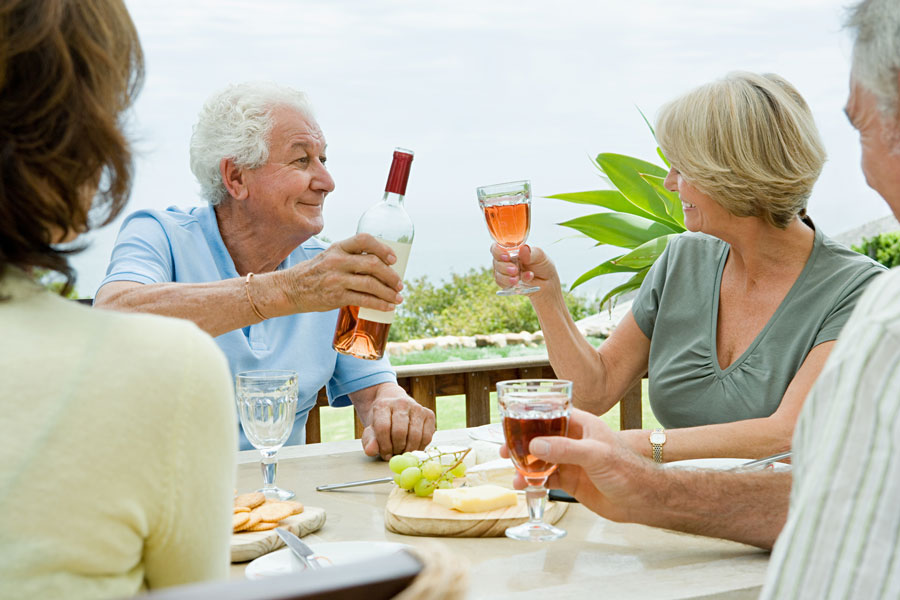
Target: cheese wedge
{"points": [[497, 472], [481, 498]]}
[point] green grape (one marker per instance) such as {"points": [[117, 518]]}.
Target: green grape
{"points": [[398, 463], [423, 488], [432, 470], [409, 477], [445, 484], [397, 478], [459, 470]]}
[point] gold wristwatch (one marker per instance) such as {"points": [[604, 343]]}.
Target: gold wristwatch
{"points": [[657, 440]]}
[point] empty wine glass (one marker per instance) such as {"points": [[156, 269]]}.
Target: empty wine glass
{"points": [[507, 211], [533, 408], [267, 403]]}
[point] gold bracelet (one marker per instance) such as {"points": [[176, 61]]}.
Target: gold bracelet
{"points": [[250, 298]]}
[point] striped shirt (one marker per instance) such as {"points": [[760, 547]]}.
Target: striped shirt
{"points": [[842, 536]]}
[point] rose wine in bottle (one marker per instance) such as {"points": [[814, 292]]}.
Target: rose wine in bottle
{"points": [[363, 332]]}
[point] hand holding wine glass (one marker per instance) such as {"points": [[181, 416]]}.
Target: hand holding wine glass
{"points": [[531, 260], [267, 404], [529, 409], [507, 211]]}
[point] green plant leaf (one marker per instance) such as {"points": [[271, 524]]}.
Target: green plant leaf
{"points": [[645, 254], [632, 284], [649, 126], [618, 229], [609, 266], [611, 199], [671, 199], [625, 174]]}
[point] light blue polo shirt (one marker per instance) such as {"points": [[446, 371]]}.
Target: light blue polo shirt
{"points": [[185, 246]]}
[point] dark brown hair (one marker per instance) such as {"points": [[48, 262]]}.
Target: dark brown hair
{"points": [[68, 71]]}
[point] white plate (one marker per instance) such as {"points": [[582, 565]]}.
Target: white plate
{"points": [[488, 433], [282, 562], [720, 463]]}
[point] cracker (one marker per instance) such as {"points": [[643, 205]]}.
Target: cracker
{"points": [[241, 509], [273, 512], [239, 520], [252, 521], [296, 507], [263, 526], [250, 499]]}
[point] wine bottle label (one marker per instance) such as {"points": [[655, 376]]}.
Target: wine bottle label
{"points": [[401, 249]]}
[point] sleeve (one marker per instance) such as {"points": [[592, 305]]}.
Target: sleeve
{"points": [[646, 304], [192, 543], [354, 374], [142, 253], [836, 319]]}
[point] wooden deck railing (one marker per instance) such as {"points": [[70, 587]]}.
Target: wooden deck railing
{"points": [[475, 379]]}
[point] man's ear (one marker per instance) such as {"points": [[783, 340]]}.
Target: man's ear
{"points": [[233, 178]]}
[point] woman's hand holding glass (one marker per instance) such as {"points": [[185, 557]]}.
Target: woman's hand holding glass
{"points": [[534, 266]]}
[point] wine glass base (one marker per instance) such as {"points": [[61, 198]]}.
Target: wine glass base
{"points": [[276, 493], [535, 532], [518, 290]]}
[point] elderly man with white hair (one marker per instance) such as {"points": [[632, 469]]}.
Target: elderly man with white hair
{"points": [[248, 270], [837, 523]]}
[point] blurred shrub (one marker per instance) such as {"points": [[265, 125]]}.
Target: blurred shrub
{"points": [[884, 247], [467, 304], [54, 282]]}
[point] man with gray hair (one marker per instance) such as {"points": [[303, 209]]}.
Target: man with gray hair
{"points": [[250, 256], [837, 523]]}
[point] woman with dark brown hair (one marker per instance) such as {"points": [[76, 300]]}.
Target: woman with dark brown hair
{"points": [[118, 430]]}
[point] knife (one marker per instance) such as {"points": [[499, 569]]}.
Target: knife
{"points": [[764, 462], [338, 486], [301, 550]]}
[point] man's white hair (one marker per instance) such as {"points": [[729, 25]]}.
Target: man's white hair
{"points": [[235, 123], [876, 52]]}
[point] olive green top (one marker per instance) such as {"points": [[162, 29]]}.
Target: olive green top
{"points": [[677, 308]]}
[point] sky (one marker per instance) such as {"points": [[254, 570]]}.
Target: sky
{"points": [[483, 92]]}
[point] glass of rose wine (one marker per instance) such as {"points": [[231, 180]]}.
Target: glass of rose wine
{"points": [[507, 211], [533, 408]]}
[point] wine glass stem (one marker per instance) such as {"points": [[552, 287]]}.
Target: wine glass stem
{"points": [[269, 465], [514, 259], [536, 498]]}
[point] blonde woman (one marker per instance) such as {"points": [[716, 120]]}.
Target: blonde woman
{"points": [[737, 317]]}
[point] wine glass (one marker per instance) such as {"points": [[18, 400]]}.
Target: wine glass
{"points": [[267, 403], [533, 408], [507, 211]]}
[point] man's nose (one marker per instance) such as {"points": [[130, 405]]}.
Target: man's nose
{"points": [[322, 180]]}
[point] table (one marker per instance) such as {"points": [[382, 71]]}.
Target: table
{"points": [[598, 558]]}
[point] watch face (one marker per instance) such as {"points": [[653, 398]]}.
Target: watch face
{"points": [[657, 437]]}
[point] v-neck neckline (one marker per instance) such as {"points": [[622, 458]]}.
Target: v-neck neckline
{"points": [[720, 372]]}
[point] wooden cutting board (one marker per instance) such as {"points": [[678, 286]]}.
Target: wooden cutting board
{"points": [[410, 515], [251, 544]]}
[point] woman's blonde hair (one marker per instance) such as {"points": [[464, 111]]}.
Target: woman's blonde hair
{"points": [[749, 141]]}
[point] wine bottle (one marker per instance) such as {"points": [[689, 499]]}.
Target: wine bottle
{"points": [[363, 332]]}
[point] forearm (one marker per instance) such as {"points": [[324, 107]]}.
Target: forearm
{"points": [[751, 438], [216, 307], [744, 507], [571, 355]]}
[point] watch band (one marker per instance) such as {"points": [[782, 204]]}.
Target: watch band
{"points": [[657, 439]]}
